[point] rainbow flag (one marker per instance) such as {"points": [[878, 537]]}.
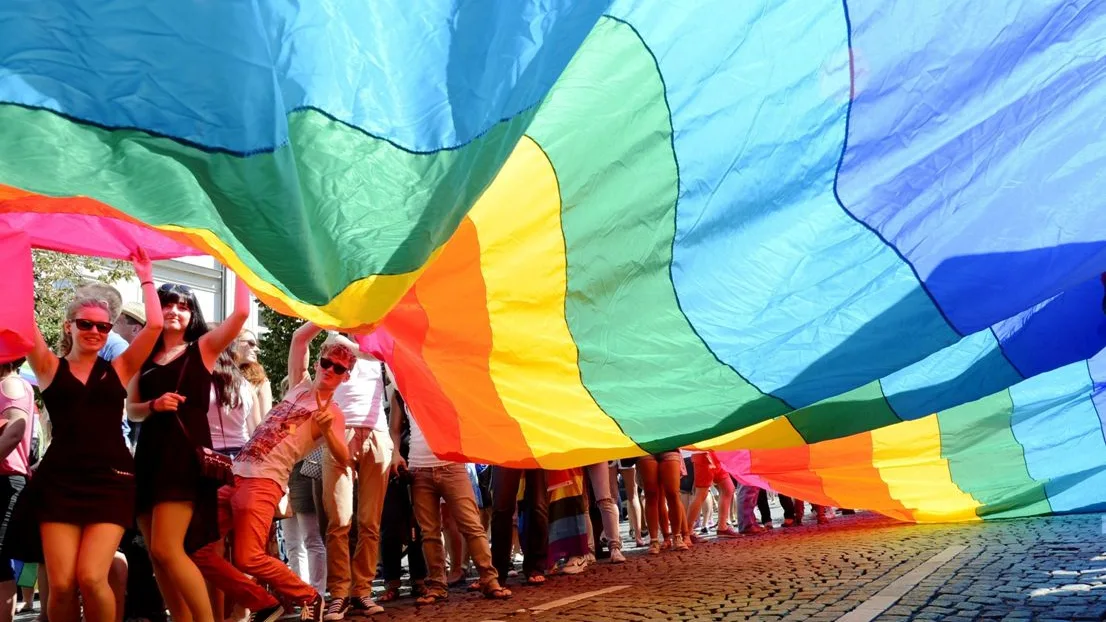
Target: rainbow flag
{"points": [[1035, 448], [587, 230]]}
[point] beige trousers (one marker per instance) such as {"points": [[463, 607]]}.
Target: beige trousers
{"points": [[371, 452]]}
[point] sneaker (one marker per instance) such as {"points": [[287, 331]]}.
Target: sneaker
{"points": [[768, 526], [752, 530], [365, 605], [617, 557], [728, 532], [336, 610], [269, 614], [313, 611], [575, 565]]}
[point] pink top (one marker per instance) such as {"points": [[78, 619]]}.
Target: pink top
{"points": [[18, 461]]}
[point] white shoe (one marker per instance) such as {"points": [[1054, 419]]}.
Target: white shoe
{"points": [[575, 565], [617, 557]]}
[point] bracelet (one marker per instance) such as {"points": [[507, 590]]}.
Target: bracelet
{"points": [[146, 283]]}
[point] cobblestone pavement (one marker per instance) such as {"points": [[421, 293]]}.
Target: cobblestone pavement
{"points": [[1040, 569]]}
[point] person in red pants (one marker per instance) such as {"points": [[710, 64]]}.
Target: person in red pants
{"points": [[297, 425]]}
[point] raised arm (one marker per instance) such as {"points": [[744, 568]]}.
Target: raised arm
{"points": [[127, 364], [299, 353], [43, 361], [215, 341]]}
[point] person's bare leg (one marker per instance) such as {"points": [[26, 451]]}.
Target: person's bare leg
{"points": [[670, 486], [43, 593], [99, 543], [649, 481], [28, 599], [60, 545], [169, 525], [117, 579], [696, 505], [170, 595], [8, 590]]}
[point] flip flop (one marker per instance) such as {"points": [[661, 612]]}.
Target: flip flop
{"points": [[497, 593]]}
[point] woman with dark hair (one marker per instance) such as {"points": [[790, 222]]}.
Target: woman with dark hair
{"points": [[82, 495], [177, 507]]}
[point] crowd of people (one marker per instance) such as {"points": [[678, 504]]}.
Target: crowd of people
{"points": [[223, 497]]}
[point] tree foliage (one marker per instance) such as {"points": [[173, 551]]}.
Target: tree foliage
{"points": [[56, 274], [276, 341]]}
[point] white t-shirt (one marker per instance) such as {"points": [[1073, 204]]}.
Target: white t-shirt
{"points": [[228, 425], [419, 454], [361, 398], [284, 437]]}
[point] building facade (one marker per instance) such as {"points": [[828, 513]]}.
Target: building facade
{"points": [[211, 281]]}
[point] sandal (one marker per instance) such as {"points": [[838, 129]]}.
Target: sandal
{"points": [[535, 579], [475, 586], [431, 597], [391, 593], [497, 593]]}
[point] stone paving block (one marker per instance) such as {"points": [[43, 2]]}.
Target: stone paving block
{"points": [[821, 574]]}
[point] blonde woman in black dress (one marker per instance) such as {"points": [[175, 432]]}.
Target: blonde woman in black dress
{"points": [[177, 508], [84, 490]]}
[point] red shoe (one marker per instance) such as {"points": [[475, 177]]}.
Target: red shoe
{"points": [[752, 530]]}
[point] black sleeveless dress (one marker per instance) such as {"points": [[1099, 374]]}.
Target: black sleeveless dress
{"points": [[87, 475], [165, 459]]}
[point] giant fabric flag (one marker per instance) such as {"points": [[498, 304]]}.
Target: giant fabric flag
{"points": [[1035, 448], [587, 230]]}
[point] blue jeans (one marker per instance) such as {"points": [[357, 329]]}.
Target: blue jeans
{"points": [[746, 502]]}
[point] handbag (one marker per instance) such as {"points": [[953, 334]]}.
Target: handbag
{"points": [[214, 466], [313, 464]]}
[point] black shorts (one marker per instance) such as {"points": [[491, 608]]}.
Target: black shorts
{"points": [[627, 463], [11, 486]]}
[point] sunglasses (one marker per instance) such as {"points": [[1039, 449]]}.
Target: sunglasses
{"points": [[329, 364], [170, 286], [87, 325]]}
